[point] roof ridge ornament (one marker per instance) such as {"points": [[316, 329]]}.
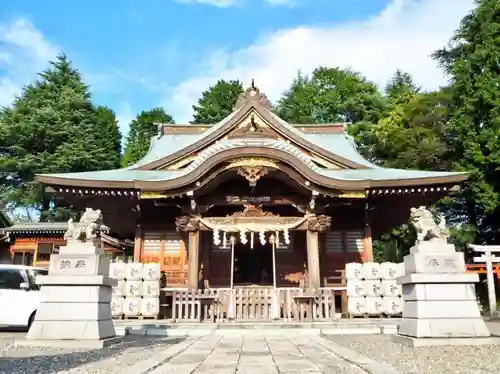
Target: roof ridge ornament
{"points": [[253, 93]]}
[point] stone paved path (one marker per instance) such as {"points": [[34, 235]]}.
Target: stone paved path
{"points": [[225, 353]]}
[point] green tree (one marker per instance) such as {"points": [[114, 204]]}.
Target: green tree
{"points": [[472, 61], [401, 85], [331, 95], [142, 129], [49, 129], [217, 102], [412, 134], [107, 125]]}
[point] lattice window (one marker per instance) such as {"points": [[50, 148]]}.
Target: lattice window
{"points": [[354, 241], [173, 243], [44, 251], [22, 258], [152, 242], [334, 241]]}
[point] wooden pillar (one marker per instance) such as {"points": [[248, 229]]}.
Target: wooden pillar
{"points": [[313, 259], [138, 244], [194, 259], [315, 225], [367, 240]]}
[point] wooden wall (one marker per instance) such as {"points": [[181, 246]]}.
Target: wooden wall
{"points": [[157, 242], [34, 250], [169, 248]]}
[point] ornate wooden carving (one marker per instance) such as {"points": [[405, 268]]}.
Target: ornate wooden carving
{"points": [[252, 173], [187, 223], [319, 223], [253, 128], [253, 162], [252, 211]]}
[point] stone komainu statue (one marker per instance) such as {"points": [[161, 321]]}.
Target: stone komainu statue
{"points": [[426, 226], [87, 228]]}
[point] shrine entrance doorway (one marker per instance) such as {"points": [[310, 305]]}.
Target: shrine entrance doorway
{"points": [[253, 266]]}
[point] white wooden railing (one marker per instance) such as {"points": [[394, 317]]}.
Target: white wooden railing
{"points": [[252, 304]]}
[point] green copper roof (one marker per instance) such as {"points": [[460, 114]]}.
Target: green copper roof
{"points": [[42, 227], [384, 174], [124, 175], [164, 146], [167, 144], [339, 144], [377, 174]]}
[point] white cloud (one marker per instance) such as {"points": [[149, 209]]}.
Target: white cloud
{"points": [[217, 3], [24, 51], [281, 2], [230, 3], [403, 36]]}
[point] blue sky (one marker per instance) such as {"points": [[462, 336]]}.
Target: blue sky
{"points": [[137, 55]]}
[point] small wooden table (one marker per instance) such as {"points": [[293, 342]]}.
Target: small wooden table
{"points": [[307, 299], [208, 300]]}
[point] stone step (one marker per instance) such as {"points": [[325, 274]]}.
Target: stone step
{"points": [[207, 329], [356, 322]]}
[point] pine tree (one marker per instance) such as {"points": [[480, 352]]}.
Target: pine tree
{"points": [[106, 125], [49, 129]]}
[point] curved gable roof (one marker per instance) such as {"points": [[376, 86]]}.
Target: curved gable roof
{"points": [[252, 101], [212, 144]]}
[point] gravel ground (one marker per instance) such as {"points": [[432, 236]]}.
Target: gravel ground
{"points": [[114, 359], [424, 360]]}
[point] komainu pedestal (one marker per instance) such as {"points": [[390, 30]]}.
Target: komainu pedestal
{"points": [[439, 299], [76, 295]]}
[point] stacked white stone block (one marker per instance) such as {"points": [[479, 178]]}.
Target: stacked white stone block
{"points": [[138, 291], [372, 288]]}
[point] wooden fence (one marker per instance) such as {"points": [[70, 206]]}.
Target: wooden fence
{"points": [[251, 305]]}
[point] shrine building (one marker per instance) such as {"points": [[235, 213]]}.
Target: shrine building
{"points": [[252, 200], [32, 243]]}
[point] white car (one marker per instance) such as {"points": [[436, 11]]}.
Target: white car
{"points": [[19, 294]]}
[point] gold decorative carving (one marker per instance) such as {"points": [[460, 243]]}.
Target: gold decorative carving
{"points": [[152, 195], [252, 211], [256, 224], [352, 195], [187, 223], [252, 173], [253, 162], [319, 223]]}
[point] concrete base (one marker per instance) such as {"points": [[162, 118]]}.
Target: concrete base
{"points": [[73, 344], [75, 298], [434, 342], [71, 330], [444, 328]]}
